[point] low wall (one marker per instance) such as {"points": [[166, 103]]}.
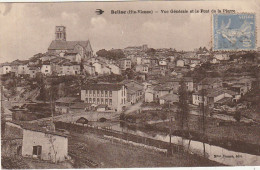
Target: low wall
{"points": [[121, 135]]}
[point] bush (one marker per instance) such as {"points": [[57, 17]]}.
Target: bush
{"points": [[237, 116], [122, 116], [102, 119]]}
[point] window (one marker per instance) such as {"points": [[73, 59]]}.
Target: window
{"points": [[90, 100], [97, 100], [102, 93], [106, 93], [94, 100], [37, 150], [110, 93], [90, 91], [98, 93], [102, 101], [86, 100], [110, 101], [46, 71], [106, 101], [94, 93]]}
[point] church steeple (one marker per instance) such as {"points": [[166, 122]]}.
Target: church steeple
{"points": [[60, 33]]}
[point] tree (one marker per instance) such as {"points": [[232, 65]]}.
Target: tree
{"points": [[52, 147], [183, 106], [151, 51], [163, 116], [129, 73], [114, 54], [237, 116]]}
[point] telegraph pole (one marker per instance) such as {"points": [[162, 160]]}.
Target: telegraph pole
{"points": [[2, 109], [203, 111], [170, 142], [203, 118]]}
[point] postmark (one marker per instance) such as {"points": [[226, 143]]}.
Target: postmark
{"points": [[234, 31]]}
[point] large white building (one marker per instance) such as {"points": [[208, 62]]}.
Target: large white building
{"points": [[112, 95]]}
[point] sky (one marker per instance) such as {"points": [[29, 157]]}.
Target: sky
{"points": [[28, 28]]}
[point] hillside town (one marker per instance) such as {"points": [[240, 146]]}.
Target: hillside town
{"points": [[54, 102]]}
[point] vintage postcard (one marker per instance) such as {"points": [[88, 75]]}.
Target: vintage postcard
{"points": [[133, 84]]}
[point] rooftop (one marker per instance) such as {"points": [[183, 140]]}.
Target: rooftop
{"points": [[66, 45], [103, 86], [35, 127], [170, 97], [210, 80], [80, 105], [162, 88]]}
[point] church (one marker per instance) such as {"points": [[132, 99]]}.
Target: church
{"points": [[76, 50]]}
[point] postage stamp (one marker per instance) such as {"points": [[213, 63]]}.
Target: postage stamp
{"points": [[234, 31]]}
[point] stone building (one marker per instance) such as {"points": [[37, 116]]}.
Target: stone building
{"points": [[113, 95], [61, 46]]}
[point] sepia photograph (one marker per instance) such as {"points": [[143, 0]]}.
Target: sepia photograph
{"points": [[130, 84]]}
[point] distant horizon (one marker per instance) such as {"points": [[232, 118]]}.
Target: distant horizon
{"points": [[29, 27]]}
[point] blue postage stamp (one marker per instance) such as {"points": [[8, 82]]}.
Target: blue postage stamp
{"points": [[234, 32]]}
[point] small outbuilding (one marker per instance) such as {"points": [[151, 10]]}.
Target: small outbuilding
{"points": [[169, 98]]}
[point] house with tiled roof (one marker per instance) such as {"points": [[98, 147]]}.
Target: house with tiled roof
{"points": [[135, 91], [115, 69], [114, 95], [175, 83], [69, 68], [161, 90], [47, 68], [63, 104], [72, 56], [34, 141], [101, 68], [125, 63], [212, 96], [169, 99], [23, 67], [88, 69], [32, 71], [143, 68], [6, 68], [210, 83], [61, 46]]}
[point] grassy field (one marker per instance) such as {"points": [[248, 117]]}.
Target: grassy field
{"points": [[29, 163], [235, 131], [116, 155]]}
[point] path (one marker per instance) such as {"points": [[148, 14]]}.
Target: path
{"points": [[133, 108]]}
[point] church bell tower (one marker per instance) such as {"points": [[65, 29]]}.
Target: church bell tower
{"points": [[60, 33]]}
